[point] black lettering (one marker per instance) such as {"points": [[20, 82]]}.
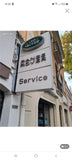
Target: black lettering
{"points": [[38, 59], [36, 78], [33, 79], [22, 63], [32, 60], [43, 57], [21, 81], [25, 80], [29, 80], [40, 78], [27, 62], [45, 78]]}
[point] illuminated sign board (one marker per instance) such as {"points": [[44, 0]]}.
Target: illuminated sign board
{"points": [[35, 68]]}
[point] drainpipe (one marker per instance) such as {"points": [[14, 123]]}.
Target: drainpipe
{"points": [[22, 110]]}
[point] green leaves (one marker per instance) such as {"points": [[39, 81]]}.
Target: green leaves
{"points": [[66, 40]]}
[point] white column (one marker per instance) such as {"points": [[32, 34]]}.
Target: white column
{"points": [[63, 116], [22, 110], [57, 116], [52, 115], [69, 118], [14, 110]]}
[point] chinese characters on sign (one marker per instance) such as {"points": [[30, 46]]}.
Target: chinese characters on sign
{"points": [[32, 60]]}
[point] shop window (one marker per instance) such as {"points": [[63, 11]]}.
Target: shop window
{"points": [[44, 113], [1, 102], [56, 68], [60, 113], [62, 80], [66, 117]]}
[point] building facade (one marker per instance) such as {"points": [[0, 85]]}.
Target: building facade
{"points": [[39, 108], [10, 42]]}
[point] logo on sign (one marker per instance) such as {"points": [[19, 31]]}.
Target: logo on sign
{"points": [[33, 43]]}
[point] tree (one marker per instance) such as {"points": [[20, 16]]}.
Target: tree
{"points": [[66, 40]]}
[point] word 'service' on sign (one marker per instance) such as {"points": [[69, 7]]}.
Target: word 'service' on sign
{"points": [[35, 79]]}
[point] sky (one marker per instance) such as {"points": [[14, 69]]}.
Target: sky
{"points": [[69, 81]]}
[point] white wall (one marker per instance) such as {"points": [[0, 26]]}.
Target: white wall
{"points": [[7, 83], [7, 44], [14, 112], [7, 40], [5, 110], [10, 116]]}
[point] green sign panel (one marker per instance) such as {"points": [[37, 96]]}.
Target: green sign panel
{"points": [[33, 43]]}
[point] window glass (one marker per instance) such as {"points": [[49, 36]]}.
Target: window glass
{"points": [[1, 102]]}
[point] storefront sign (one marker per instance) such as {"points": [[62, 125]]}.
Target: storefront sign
{"points": [[70, 108], [35, 60], [33, 43], [39, 79], [35, 70]]}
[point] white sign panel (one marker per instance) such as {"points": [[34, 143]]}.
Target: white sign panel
{"points": [[46, 44], [38, 79], [35, 68], [35, 60]]}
